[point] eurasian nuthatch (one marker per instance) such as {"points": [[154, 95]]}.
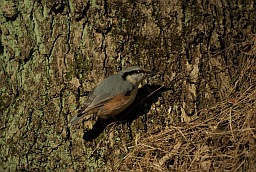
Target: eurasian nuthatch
{"points": [[113, 94]]}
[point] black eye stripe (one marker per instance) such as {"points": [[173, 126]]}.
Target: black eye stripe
{"points": [[135, 71], [131, 72]]}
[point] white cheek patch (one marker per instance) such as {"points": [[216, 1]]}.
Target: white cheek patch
{"points": [[131, 79]]}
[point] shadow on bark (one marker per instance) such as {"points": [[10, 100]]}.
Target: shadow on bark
{"points": [[135, 110]]}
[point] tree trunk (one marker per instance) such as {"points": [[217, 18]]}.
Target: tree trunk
{"points": [[52, 53]]}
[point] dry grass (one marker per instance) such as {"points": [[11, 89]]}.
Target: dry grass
{"points": [[222, 138]]}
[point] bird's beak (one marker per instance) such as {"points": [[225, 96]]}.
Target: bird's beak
{"points": [[150, 73]]}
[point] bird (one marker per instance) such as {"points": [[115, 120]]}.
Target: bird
{"points": [[113, 94]]}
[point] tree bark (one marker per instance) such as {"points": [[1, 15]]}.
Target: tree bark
{"points": [[53, 52]]}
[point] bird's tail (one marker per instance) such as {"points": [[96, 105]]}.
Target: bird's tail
{"points": [[74, 120], [81, 114]]}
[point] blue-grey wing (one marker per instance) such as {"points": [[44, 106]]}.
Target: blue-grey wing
{"points": [[105, 91], [108, 89]]}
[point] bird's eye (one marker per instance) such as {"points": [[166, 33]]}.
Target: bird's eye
{"points": [[138, 71]]}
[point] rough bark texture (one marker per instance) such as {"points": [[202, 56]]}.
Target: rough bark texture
{"points": [[53, 52]]}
